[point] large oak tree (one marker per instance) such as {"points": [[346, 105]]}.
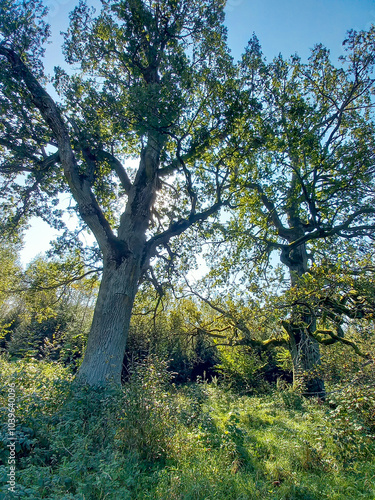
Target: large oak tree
{"points": [[150, 79], [308, 167], [303, 174]]}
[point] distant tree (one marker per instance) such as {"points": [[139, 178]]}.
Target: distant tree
{"points": [[10, 276], [56, 299], [304, 181], [154, 81], [45, 309]]}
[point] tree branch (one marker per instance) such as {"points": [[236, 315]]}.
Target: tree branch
{"points": [[89, 208], [270, 206], [118, 167], [319, 336], [263, 345], [177, 228], [337, 230]]}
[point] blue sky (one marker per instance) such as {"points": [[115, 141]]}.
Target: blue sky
{"points": [[291, 26], [285, 27], [282, 26]]}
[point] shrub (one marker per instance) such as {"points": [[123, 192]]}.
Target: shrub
{"points": [[243, 370], [353, 419], [147, 417]]}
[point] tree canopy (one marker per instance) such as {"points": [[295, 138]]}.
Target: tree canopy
{"points": [[285, 148], [304, 187]]}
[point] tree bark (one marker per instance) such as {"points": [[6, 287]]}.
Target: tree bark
{"points": [[102, 362], [306, 359], [123, 265], [304, 348]]}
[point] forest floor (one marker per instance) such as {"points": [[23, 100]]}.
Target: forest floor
{"points": [[201, 441]]}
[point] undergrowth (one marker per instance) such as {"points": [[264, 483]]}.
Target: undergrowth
{"points": [[152, 440]]}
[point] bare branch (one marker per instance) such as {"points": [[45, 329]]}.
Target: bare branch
{"points": [[336, 230], [270, 206], [178, 227]]}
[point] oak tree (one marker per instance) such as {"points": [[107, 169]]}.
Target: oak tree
{"points": [[303, 174], [150, 79]]}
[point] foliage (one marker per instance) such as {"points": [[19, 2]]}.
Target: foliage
{"points": [[169, 329], [153, 82], [303, 184], [10, 275], [243, 370], [148, 415], [354, 410], [47, 307], [84, 443], [340, 294]]}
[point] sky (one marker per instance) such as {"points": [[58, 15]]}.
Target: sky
{"points": [[286, 27]]}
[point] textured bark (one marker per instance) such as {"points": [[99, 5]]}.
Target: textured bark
{"points": [[306, 359], [304, 348], [102, 363]]}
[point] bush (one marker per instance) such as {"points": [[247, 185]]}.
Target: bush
{"points": [[353, 420], [147, 419], [66, 434]]}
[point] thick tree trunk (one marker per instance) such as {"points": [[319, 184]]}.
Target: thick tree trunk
{"points": [[304, 348], [122, 269], [306, 360], [102, 363]]}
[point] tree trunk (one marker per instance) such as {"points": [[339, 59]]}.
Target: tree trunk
{"points": [[122, 268], [102, 363], [306, 360], [304, 348]]}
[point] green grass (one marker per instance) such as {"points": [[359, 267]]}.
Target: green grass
{"points": [[151, 440]]}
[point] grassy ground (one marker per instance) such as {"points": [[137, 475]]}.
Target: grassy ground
{"points": [[152, 440]]}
